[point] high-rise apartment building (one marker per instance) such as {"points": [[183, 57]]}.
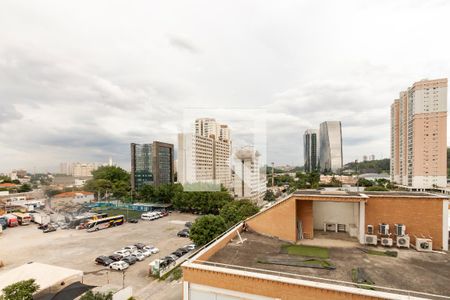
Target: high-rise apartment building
{"points": [[331, 157], [151, 164], [204, 156], [249, 176], [311, 150], [83, 169], [419, 135]]}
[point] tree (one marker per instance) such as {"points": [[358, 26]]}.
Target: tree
{"points": [[22, 290], [335, 182], [89, 295], [269, 196], [5, 179], [25, 188], [365, 182], [201, 202], [377, 188], [109, 179], [238, 210], [207, 228]]}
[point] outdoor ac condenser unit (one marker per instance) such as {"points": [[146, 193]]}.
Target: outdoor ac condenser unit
{"points": [[424, 244], [370, 229], [384, 229], [400, 229], [403, 241], [387, 242], [370, 239]]}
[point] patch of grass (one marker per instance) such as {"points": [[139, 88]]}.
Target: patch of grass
{"points": [[303, 250], [174, 274]]}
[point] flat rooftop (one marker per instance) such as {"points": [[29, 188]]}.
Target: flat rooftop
{"points": [[411, 270], [363, 194]]}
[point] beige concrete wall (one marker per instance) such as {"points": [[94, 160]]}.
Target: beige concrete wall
{"points": [[335, 212]]}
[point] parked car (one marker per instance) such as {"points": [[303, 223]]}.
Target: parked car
{"points": [[168, 259], [183, 250], [133, 221], [152, 249], [130, 259], [183, 233], [188, 224], [119, 265], [139, 256], [49, 228], [140, 246], [190, 247], [130, 248], [104, 260], [123, 253], [146, 252], [115, 257], [177, 253]]}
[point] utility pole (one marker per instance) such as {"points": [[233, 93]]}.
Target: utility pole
{"points": [[273, 179], [357, 175]]}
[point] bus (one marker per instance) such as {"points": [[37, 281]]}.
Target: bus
{"points": [[23, 218], [104, 223]]}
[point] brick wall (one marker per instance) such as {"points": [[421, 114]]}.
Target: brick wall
{"points": [[278, 221], [264, 287], [422, 216]]}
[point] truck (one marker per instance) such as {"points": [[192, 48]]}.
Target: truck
{"points": [[11, 220], [3, 223], [40, 219], [23, 218]]}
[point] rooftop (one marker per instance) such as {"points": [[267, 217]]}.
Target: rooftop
{"points": [[411, 270], [364, 194]]}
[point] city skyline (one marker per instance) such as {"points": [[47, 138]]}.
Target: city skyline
{"points": [[83, 95]]}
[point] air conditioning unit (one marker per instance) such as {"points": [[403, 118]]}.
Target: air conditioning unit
{"points": [[370, 229], [400, 229], [371, 239], [384, 229], [387, 242], [424, 244], [403, 241]]}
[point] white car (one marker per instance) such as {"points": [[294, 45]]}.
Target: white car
{"points": [[152, 249], [146, 252], [119, 265], [139, 256], [123, 253], [130, 248], [190, 247]]}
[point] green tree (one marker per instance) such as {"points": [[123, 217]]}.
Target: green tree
{"points": [[335, 182], [109, 179], [89, 295], [365, 182], [201, 202], [25, 188], [207, 228], [111, 173], [5, 179], [269, 196], [238, 210], [22, 290]]}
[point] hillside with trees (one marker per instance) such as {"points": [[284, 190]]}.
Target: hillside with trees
{"points": [[372, 166]]}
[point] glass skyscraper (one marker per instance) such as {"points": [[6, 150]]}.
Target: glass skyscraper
{"points": [[331, 159], [151, 164]]}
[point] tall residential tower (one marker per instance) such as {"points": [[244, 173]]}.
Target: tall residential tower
{"points": [[331, 159], [419, 135], [311, 150]]}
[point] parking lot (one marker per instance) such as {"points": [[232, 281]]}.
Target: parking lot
{"points": [[78, 249]]}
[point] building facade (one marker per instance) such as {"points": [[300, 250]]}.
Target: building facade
{"points": [[205, 155], [151, 164], [311, 150], [419, 135], [331, 157], [249, 176]]}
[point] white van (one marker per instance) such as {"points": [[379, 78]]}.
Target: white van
{"points": [[150, 216]]}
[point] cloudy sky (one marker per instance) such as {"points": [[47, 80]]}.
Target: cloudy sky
{"points": [[80, 80]]}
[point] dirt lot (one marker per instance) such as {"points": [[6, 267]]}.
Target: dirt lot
{"points": [[411, 270], [77, 248]]}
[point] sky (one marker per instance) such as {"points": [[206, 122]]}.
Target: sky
{"points": [[80, 80]]}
